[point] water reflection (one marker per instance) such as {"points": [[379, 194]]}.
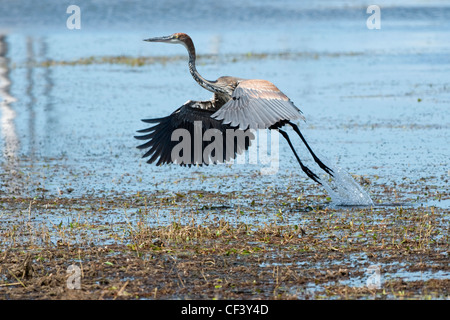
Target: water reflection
{"points": [[39, 105], [51, 120], [31, 98], [8, 129], [8, 114], [21, 144]]}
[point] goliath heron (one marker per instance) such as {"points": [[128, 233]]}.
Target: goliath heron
{"points": [[237, 104]]}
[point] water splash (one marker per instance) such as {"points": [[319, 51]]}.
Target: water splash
{"points": [[343, 189]]}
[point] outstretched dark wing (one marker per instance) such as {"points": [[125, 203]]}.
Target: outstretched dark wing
{"points": [[179, 137], [257, 104]]}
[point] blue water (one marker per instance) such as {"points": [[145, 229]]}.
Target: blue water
{"points": [[376, 101]]}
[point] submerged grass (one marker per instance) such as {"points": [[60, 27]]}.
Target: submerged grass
{"points": [[201, 245], [202, 58]]}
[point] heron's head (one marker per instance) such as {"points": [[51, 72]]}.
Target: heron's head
{"points": [[181, 38]]}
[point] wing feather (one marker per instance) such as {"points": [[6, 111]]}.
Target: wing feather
{"points": [[159, 136], [257, 104]]}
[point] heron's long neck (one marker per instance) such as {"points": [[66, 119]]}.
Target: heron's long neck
{"points": [[208, 85]]}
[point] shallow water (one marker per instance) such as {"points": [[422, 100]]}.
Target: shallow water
{"points": [[376, 101]]}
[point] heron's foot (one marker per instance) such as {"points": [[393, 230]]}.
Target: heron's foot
{"points": [[311, 174], [323, 166]]}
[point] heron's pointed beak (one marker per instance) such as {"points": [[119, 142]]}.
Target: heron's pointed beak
{"points": [[160, 39]]}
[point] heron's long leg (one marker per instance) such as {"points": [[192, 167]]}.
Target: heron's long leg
{"points": [[308, 172], [316, 159]]}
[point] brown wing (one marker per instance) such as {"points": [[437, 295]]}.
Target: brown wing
{"points": [[257, 104], [192, 116]]}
